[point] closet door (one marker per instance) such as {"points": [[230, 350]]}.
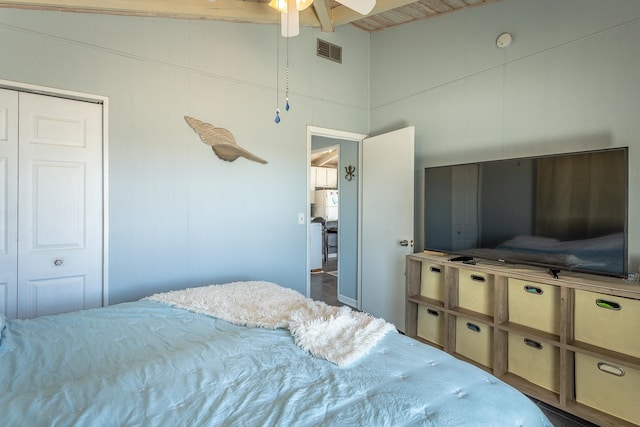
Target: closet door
{"points": [[8, 201], [60, 205]]}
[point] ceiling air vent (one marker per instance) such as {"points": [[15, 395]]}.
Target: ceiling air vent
{"points": [[329, 51]]}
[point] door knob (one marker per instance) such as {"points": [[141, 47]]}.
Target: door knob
{"points": [[57, 262], [406, 243]]}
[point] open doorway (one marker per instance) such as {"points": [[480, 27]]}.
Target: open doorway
{"points": [[337, 282], [324, 200], [379, 277]]}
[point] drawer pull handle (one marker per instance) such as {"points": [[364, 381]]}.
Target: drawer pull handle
{"points": [[533, 290], [474, 328], [477, 278], [533, 344], [609, 369], [432, 312], [434, 270], [611, 305]]}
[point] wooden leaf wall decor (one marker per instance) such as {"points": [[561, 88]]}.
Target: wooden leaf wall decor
{"points": [[221, 141]]}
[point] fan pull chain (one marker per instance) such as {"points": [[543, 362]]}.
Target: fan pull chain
{"points": [[277, 119], [286, 105]]}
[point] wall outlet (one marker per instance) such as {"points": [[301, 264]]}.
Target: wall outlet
{"points": [[300, 218]]}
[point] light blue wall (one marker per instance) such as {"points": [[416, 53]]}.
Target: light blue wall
{"points": [[568, 82], [179, 216]]}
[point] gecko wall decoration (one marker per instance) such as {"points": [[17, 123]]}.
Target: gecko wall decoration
{"points": [[221, 141], [350, 172]]}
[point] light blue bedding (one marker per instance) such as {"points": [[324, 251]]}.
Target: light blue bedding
{"points": [[148, 364]]}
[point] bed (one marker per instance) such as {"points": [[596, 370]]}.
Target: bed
{"points": [[167, 361]]}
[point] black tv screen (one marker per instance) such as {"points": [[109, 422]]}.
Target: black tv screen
{"points": [[565, 211]]}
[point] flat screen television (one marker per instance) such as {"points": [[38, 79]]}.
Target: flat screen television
{"points": [[562, 211]]}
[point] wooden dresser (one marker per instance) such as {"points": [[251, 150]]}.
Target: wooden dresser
{"points": [[572, 342]]}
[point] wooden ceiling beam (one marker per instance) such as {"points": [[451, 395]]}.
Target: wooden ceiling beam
{"points": [[219, 10], [326, 14], [323, 12], [325, 158]]}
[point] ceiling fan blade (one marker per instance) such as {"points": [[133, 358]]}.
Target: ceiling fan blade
{"points": [[363, 7], [290, 22]]}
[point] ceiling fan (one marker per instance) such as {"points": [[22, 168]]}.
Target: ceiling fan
{"points": [[289, 12]]}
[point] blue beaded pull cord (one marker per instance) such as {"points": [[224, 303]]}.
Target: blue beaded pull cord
{"points": [[277, 118], [286, 105]]}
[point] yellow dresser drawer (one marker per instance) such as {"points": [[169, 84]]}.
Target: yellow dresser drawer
{"points": [[535, 305], [475, 341], [534, 361], [608, 387], [607, 321], [432, 284], [430, 325], [475, 291]]}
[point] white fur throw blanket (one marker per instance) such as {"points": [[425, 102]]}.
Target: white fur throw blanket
{"points": [[337, 334]]}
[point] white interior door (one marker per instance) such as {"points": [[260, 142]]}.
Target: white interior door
{"points": [[8, 202], [387, 221], [60, 205]]}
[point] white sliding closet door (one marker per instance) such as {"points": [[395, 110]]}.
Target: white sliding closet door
{"points": [[8, 202], [59, 205]]}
